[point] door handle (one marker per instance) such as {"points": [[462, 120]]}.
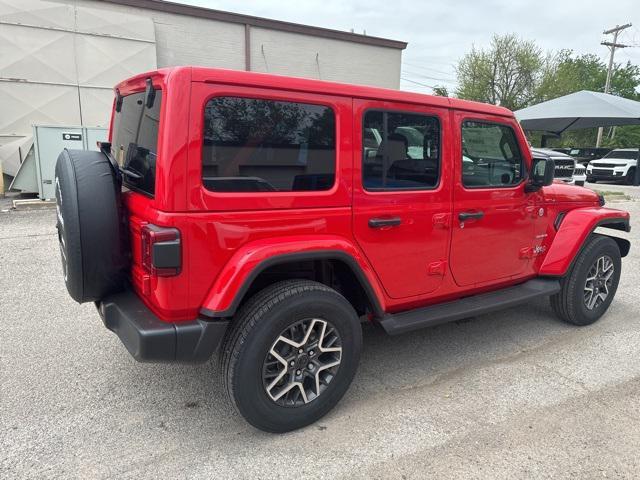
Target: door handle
{"points": [[384, 222], [464, 216]]}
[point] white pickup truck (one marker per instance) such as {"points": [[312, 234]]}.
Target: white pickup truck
{"points": [[617, 165]]}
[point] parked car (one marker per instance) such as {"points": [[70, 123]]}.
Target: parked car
{"points": [[265, 217], [617, 165], [566, 168], [585, 155], [562, 150]]}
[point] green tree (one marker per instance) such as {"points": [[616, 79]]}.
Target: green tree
{"points": [[508, 73], [515, 73], [567, 73], [440, 91]]}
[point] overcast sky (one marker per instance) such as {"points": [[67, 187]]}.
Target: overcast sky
{"points": [[440, 32]]}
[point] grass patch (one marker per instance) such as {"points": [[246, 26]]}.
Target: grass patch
{"points": [[613, 194]]}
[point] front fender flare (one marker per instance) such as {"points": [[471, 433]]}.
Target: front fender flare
{"points": [[576, 226], [245, 265]]}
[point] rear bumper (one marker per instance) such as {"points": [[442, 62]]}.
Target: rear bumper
{"points": [[149, 339]]}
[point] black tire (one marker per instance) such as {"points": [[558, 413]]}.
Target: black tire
{"points": [[580, 183], [630, 177], [592, 180], [92, 232], [259, 324], [570, 303]]}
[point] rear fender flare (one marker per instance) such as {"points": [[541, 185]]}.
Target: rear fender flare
{"points": [[249, 261], [573, 231]]}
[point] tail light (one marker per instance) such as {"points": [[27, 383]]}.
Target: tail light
{"points": [[161, 250]]}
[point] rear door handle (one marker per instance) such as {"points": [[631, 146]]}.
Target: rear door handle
{"points": [[464, 216], [384, 222]]}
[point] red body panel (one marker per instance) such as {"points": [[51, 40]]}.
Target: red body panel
{"points": [[426, 259], [247, 258], [422, 238], [576, 226], [489, 249]]}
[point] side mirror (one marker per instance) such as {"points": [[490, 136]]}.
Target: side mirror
{"points": [[542, 171]]}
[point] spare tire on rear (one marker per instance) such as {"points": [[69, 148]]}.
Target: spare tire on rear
{"points": [[92, 231]]}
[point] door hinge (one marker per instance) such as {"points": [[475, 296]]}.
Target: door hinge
{"points": [[441, 220], [437, 268], [526, 253]]}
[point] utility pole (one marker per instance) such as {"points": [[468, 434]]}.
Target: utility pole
{"points": [[612, 47]]}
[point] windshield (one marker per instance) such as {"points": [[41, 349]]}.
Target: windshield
{"points": [[135, 139], [623, 154]]}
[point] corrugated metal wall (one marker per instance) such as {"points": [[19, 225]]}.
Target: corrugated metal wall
{"points": [[59, 62]]}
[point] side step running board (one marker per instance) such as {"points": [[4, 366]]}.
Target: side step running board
{"points": [[396, 323]]}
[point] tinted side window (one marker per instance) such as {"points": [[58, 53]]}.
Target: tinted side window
{"points": [[253, 145], [490, 155], [400, 151], [135, 140]]}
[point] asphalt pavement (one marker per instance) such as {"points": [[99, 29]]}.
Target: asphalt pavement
{"points": [[516, 394]]}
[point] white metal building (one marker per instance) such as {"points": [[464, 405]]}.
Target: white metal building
{"points": [[60, 59]]}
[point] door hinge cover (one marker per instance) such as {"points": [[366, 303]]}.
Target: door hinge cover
{"points": [[526, 252], [441, 220], [437, 268]]}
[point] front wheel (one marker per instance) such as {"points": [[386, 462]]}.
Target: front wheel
{"points": [[580, 183], [291, 355], [589, 287], [630, 177]]}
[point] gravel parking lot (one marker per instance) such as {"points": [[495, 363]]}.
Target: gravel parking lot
{"points": [[514, 394]]}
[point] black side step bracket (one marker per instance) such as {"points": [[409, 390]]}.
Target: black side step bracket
{"points": [[396, 323]]}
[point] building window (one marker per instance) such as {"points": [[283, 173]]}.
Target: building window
{"points": [[490, 155], [401, 151], [253, 145]]}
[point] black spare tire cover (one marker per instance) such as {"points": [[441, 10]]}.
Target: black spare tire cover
{"points": [[92, 231]]}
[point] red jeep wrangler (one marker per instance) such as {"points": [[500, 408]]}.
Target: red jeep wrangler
{"points": [[266, 217]]}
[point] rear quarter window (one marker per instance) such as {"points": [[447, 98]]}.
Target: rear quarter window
{"points": [[260, 145]]}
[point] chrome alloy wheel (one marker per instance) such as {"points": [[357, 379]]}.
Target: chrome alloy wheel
{"points": [[302, 362], [598, 283]]}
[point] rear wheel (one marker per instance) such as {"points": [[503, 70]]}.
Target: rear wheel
{"points": [[291, 355], [589, 287]]}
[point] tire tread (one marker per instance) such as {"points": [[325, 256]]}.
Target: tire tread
{"points": [[564, 302], [250, 313]]}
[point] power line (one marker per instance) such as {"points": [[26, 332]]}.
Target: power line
{"points": [[422, 67], [441, 62], [450, 79], [417, 83]]}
